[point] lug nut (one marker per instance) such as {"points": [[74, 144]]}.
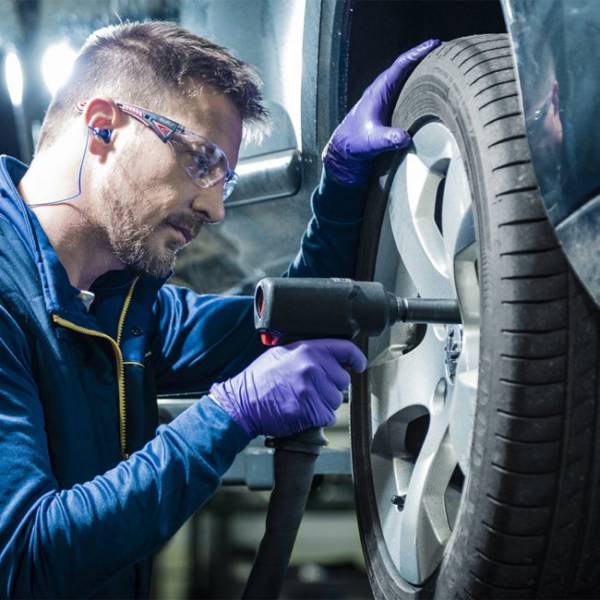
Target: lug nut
{"points": [[399, 501], [442, 388]]}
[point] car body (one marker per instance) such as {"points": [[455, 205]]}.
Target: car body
{"points": [[556, 50]]}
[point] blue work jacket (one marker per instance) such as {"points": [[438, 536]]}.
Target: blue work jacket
{"points": [[90, 488]]}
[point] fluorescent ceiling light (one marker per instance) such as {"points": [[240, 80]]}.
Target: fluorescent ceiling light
{"points": [[14, 78], [57, 64]]}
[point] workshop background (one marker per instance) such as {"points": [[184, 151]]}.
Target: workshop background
{"points": [[212, 554]]}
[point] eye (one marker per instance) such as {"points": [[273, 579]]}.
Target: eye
{"points": [[201, 164]]}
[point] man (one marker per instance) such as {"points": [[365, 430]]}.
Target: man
{"points": [[89, 332]]}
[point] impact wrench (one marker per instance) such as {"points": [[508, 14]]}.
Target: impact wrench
{"points": [[287, 310]]}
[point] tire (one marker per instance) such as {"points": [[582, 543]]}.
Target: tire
{"points": [[523, 519]]}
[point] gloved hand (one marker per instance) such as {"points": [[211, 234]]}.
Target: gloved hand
{"points": [[290, 388], [365, 132]]}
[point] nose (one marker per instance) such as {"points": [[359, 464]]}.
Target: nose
{"points": [[209, 203]]}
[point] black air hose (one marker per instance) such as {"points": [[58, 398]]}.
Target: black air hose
{"points": [[295, 458]]}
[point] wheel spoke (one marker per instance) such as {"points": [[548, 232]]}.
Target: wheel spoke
{"points": [[386, 269], [384, 485], [417, 238], [406, 381], [462, 415], [456, 202], [435, 146], [424, 529]]}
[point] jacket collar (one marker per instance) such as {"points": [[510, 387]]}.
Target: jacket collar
{"points": [[60, 296]]}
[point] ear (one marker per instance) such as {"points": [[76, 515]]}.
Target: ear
{"points": [[102, 113]]}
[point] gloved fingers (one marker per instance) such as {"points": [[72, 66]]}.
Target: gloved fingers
{"points": [[327, 396], [384, 138], [346, 352], [393, 78], [419, 52], [324, 416], [330, 419], [336, 373], [333, 370]]}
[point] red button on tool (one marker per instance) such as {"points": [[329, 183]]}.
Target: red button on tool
{"points": [[269, 339]]}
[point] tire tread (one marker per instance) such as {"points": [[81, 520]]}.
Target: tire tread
{"points": [[480, 52], [487, 60]]}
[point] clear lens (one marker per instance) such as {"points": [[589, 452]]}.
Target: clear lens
{"points": [[229, 185], [202, 160]]}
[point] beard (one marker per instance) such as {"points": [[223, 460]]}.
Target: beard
{"points": [[131, 239]]}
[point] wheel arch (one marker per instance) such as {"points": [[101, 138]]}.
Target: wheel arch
{"points": [[378, 31]]}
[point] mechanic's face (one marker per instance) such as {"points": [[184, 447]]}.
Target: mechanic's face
{"points": [[153, 209]]}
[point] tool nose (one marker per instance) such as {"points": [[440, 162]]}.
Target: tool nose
{"points": [[259, 301]]}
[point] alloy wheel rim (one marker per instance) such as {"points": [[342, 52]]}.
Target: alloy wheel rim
{"points": [[423, 379]]}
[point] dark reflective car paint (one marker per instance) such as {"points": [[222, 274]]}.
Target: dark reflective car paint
{"points": [[557, 49]]}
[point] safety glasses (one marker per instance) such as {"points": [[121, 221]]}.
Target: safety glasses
{"points": [[203, 161]]}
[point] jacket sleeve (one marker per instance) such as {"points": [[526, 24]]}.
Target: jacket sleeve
{"points": [[329, 245], [202, 339], [199, 339], [67, 542]]}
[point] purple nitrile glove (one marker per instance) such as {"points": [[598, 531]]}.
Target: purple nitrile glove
{"points": [[365, 132], [290, 388]]}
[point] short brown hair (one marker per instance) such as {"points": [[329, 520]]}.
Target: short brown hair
{"points": [[149, 64]]}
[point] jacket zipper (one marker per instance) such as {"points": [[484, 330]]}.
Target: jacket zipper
{"points": [[118, 357], [125, 309]]}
